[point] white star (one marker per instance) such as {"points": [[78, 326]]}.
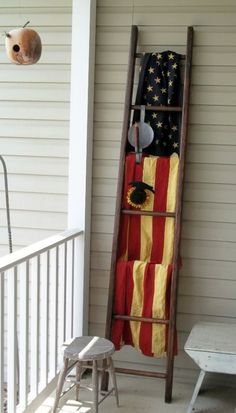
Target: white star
{"points": [[151, 70], [157, 80], [155, 98]]}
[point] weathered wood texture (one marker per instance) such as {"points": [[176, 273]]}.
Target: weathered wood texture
{"points": [[212, 346], [86, 352]]}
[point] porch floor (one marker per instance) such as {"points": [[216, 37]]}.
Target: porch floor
{"points": [[145, 395]]}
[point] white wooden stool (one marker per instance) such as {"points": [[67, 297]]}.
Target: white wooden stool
{"points": [[83, 350], [213, 347]]}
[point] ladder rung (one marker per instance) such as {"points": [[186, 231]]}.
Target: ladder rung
{"points": [[149, 213], [140, 55], [158, 375], [159, 108], [145, 319]]}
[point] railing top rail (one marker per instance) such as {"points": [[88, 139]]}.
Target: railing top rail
{"points": [[33, 250]]}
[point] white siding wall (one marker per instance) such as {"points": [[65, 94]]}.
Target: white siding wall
{"points": [[208, 278], [34, 122]]}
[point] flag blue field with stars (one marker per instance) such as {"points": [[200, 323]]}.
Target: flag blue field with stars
{"points": [[159, 84]]}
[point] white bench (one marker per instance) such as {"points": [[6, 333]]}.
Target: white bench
{"points": [[213, 348]]}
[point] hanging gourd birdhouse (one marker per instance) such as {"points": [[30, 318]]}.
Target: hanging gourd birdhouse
{"points": [[23, 46]]}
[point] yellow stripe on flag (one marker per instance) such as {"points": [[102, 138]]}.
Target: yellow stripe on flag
{"points": [[158, 310], [170, 207], [124, 257], [137, 301], [149, 177]]}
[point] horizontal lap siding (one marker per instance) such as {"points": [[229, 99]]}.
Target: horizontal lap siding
{"points": [[207, 288], [34, 123]]}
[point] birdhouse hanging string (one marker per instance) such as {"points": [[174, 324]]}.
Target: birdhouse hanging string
{"points": [[23, 45]]}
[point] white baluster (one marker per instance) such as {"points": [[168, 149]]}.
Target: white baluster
{"points": [[44, 322], [72, 284], [69, 292], [12, 340], [53, 301], [65, 289], [79, 316], [34, 348], [1, 341], [24, 334], [61, 300]]}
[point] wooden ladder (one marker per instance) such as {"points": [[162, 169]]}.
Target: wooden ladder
{"points": [[177, 215]]}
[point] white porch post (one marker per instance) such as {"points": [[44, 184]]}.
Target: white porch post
{"points": [[80, 158]]}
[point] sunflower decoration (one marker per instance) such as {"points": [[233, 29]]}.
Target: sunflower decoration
{"points": [[138, 196]]}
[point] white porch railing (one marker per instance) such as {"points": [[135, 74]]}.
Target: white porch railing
{"points": [[37, 314]]}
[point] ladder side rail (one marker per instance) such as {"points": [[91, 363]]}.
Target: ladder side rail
{"points": [[177, 233], [126, 122]]}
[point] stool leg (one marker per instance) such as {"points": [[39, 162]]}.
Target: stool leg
{"points": [[196, 390], [104, 378], [78, 378], [113, 378], [60, 383], [95, 385]]}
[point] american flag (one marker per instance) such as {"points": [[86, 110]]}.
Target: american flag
{"points": [[159, 84]]}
